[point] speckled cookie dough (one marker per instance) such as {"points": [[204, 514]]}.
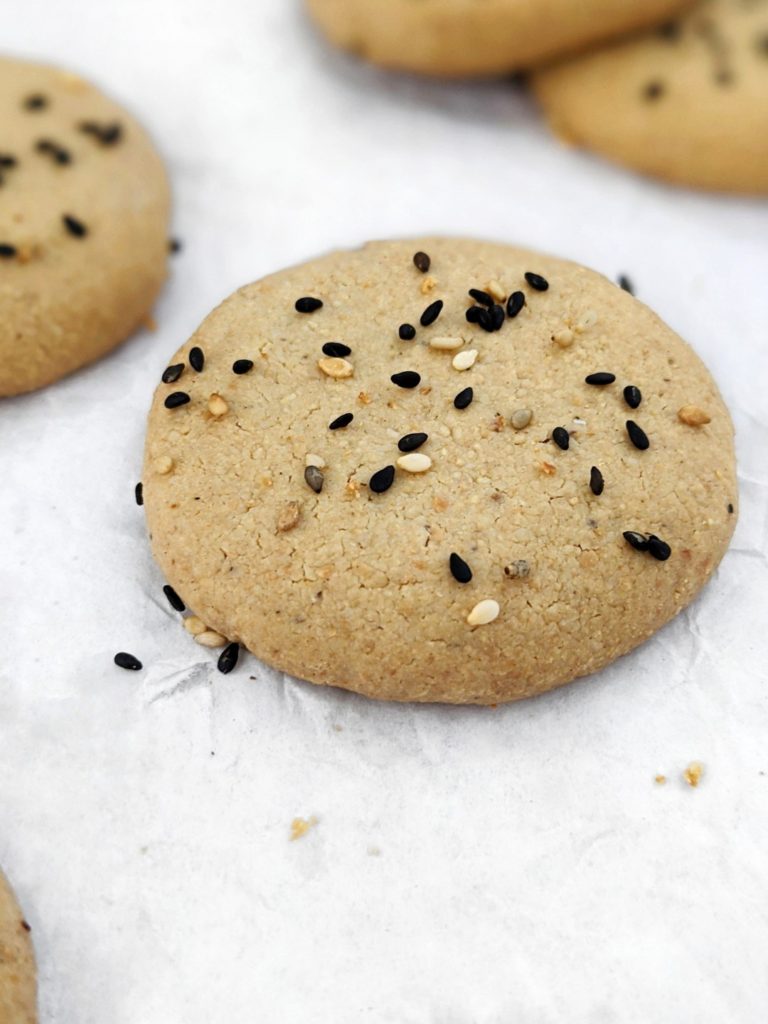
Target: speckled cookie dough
{"points": [[687, 102], [413, 530], [478, 37], [17, 962], [84, 206]]}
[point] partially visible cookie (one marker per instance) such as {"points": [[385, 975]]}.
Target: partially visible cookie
{"points": [[478, 37], [84, 207], [17, 963], [375, 478], [688, 102]]}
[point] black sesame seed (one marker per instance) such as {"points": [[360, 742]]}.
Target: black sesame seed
{"points": [[496, 317], [536, 281], [197, 359], [124, 660], [475, 314], [486, 321], [431, 313], [422, 262], [625, 284], [562, 438], [632, 396], [637, 436], [58, 153], [336, 349], [139, 493], [242, 366], [173, 598], [6, 160], [464, 398], [314, 478], [600, 379], [636, 540], [459, 568], [730, 508], [174, 245], [172, 373], [7, 251], [653, 91], [382, 480], [407, 332], [410, 442], [308, 305], [175, 399], [515, 303], [658, 548], [105, 134], [406, 379], [341, 421], [596, 482], [228, 658], [480, 296], [75, 227], [35, 102]]}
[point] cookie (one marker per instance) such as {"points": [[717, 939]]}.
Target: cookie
{"points": [[84, 208], [466, 37], [371, 476], [17, 962], [687, 103]]}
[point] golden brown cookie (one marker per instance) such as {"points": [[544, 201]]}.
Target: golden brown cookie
{"points": [[374, 479], [688, 103], [84, 208], [17, 963], [478, 37]]}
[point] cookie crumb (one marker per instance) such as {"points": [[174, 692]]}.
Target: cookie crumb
{"points": [[563, 337], [300, 827], [693, 773], [660, 780], [289, 517], [210, 638], [428, 285], [163, 464], [484, 612], [547, 468], [217, 406], [333, 366], [364, 398], [693, 416], [498, 423], [440, 504]]}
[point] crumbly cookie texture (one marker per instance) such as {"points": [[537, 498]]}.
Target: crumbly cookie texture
{"points": [[687, 103], [17, 962], [496, 565], [470, 37], [84, 207]]}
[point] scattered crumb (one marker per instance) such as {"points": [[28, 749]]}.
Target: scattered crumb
{"points": [[660, 779], [289, 517], [364, 398], [547, 468], [440, 504], [693, 773], [300, 827], [428, 285], [498, 423], [217, 406], [373, 851], [163, 464]]}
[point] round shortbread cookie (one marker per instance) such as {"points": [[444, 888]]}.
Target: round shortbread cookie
{"points": [[478, 37], [84, 207], [687, 103], [295, 504], [17, 962]]}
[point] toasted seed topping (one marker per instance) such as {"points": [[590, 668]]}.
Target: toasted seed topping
{"points": [[228, 658], [693, 416], [496, 289], [410, 442], [125, 660], [596, 482], [314, 478], [308, 304], [172, 373], [632, 396], [521, 418], [75, 227], [138, 493], [515, 303], [407, 379], [341, 421], [334, 367], [562, 438], [536, 281], [407, 332], [483, 613], [36, 101], [520, 569], [431, 313], [7, 251], [600, 379], [464, 398], [210, 638], [415, 462], [636, 540], [382, 480], [175, 399], [625, 284], [336, 349], [241, 366], [637, 436], [217, 406], [422, 262], [459, 568], [173, 599], [564, 337], [194, 625], [196, 359], [658, 548], [480, 296], [465, 360], [444, 344]]}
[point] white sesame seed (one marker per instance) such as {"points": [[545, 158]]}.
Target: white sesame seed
{"points": [[163, 464], [579, 422], [484, 612], [586, 320], [314, 460], [333, 366], [563, 337], [465, 360], [217, 406], [415, 462], [521, 418], [210, 639], [495, 289], [446, 344], [194, 625]]}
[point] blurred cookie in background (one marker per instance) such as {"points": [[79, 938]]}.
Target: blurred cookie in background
{"points": [[17, 962]]}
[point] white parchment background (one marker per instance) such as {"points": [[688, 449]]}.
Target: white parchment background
{"points": [[470, 866]]}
